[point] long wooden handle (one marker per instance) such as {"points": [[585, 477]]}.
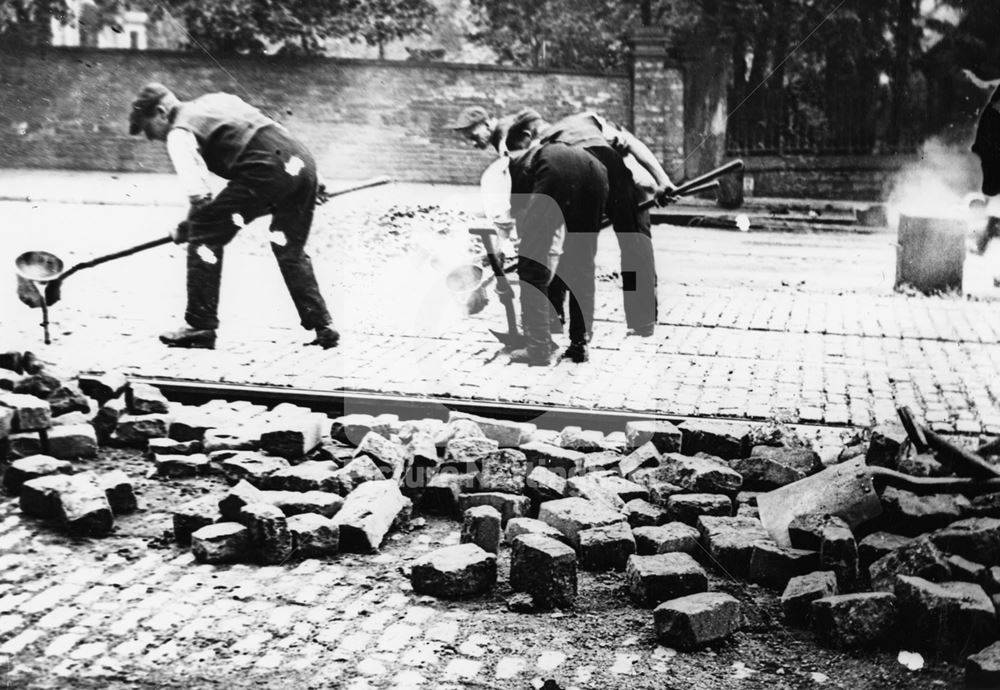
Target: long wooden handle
{"points": [[116, 255], [934, 485]]}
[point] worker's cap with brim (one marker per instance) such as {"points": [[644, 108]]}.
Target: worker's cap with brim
{"points": [[149, 97], [524, 117], [470, 117]]}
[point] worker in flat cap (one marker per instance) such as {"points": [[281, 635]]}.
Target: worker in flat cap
{"points": [[475, 124], [613, 146], [269, 172]]}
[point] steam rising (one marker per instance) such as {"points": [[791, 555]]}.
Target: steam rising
{"points": [[935, 186]]}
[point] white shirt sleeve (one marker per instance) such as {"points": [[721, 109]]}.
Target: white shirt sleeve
{"points": [[190, 167]]}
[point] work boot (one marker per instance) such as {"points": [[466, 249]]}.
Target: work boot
{"points": [[532, 359], [326, 338], [197, 338], [643, 332], [577, 352]]}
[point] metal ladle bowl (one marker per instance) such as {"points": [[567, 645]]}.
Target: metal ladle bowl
{"points": [[39, 266]]}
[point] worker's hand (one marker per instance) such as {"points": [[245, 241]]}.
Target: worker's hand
{"points": [[665, 194], [181, 233], [323, 194]]}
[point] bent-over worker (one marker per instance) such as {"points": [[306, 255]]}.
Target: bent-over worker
{"points": [[268, 172]]}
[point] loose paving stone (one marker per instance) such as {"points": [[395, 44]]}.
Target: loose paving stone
{"points": [[225, 542], [806, 531], [964, 570], [769, 467], [518, 526], [621, 487], [642, 513], [67, 399], [352, 428], [72, 441], [442, 494], [508, 505], [668, 538], [268, 530], [24, 444], [646, 456], [661, 433], [584, 441], [102, 387], [293, 437], [313, 535], [368, 513], [987, 505], [687, 508], [948, 619], [503, 470], [838, 551], [32, 467], [544, 568], [388, 456], [878, 544], [692, 621], [182, 465], [850, 621], [355, 473], [885, 445], [168, 446], [918, 557], [726, 440], [136, 430], [507, 434], [773, 566], [607, 460], [910, 514], [982, 670], [920, 465], [6, 421], [142, 398], [83, 508], [106, 419], [241, 494], [565, 463], [802, 590], [977, 539], [699, 474], [454, 572], [589, 487], [31, 413], [312, 475], [729, 541], [542, 484], [654, 579], [117, 487], [571, 515], [467, 454], [481, 526], [70, 418], [606, 548], [323, 503], [39, 497], [245, 437], [41, 385], [189, 423], [421, 451], [191, 516]]}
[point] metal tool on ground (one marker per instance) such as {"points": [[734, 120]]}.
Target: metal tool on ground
{"points": [[851, 491], [513, 338], [958, 459]]}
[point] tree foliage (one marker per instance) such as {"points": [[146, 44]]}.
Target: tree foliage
{"points": [[377, 22], [577, 34]]}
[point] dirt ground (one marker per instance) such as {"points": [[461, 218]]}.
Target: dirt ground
{"points": [[603, 626]]}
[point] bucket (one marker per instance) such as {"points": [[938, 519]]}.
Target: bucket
{"points": [[467, 286], [39, 266]]}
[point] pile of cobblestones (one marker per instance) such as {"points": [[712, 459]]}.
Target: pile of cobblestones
{"points": [[661, 504]]}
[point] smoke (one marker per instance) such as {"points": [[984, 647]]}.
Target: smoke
{"points": [[939, 184]]}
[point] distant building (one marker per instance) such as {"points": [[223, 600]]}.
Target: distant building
{"points": [[87, 28]]}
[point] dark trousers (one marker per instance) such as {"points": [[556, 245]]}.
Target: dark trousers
{"points": [[989, 233], [635, 240], [263, 183], [575, 278]]}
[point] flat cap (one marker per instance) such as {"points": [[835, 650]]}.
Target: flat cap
{"points": [[469, 117], [149, 97]]}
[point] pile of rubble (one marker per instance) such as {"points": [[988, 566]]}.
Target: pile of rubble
{"points": [[664, 505]]}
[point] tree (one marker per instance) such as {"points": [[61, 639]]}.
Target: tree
{"points": [[377, 22], [27, 22], [573, 34]]}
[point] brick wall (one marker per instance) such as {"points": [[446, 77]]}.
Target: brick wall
{"points": [[67, 108]]}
